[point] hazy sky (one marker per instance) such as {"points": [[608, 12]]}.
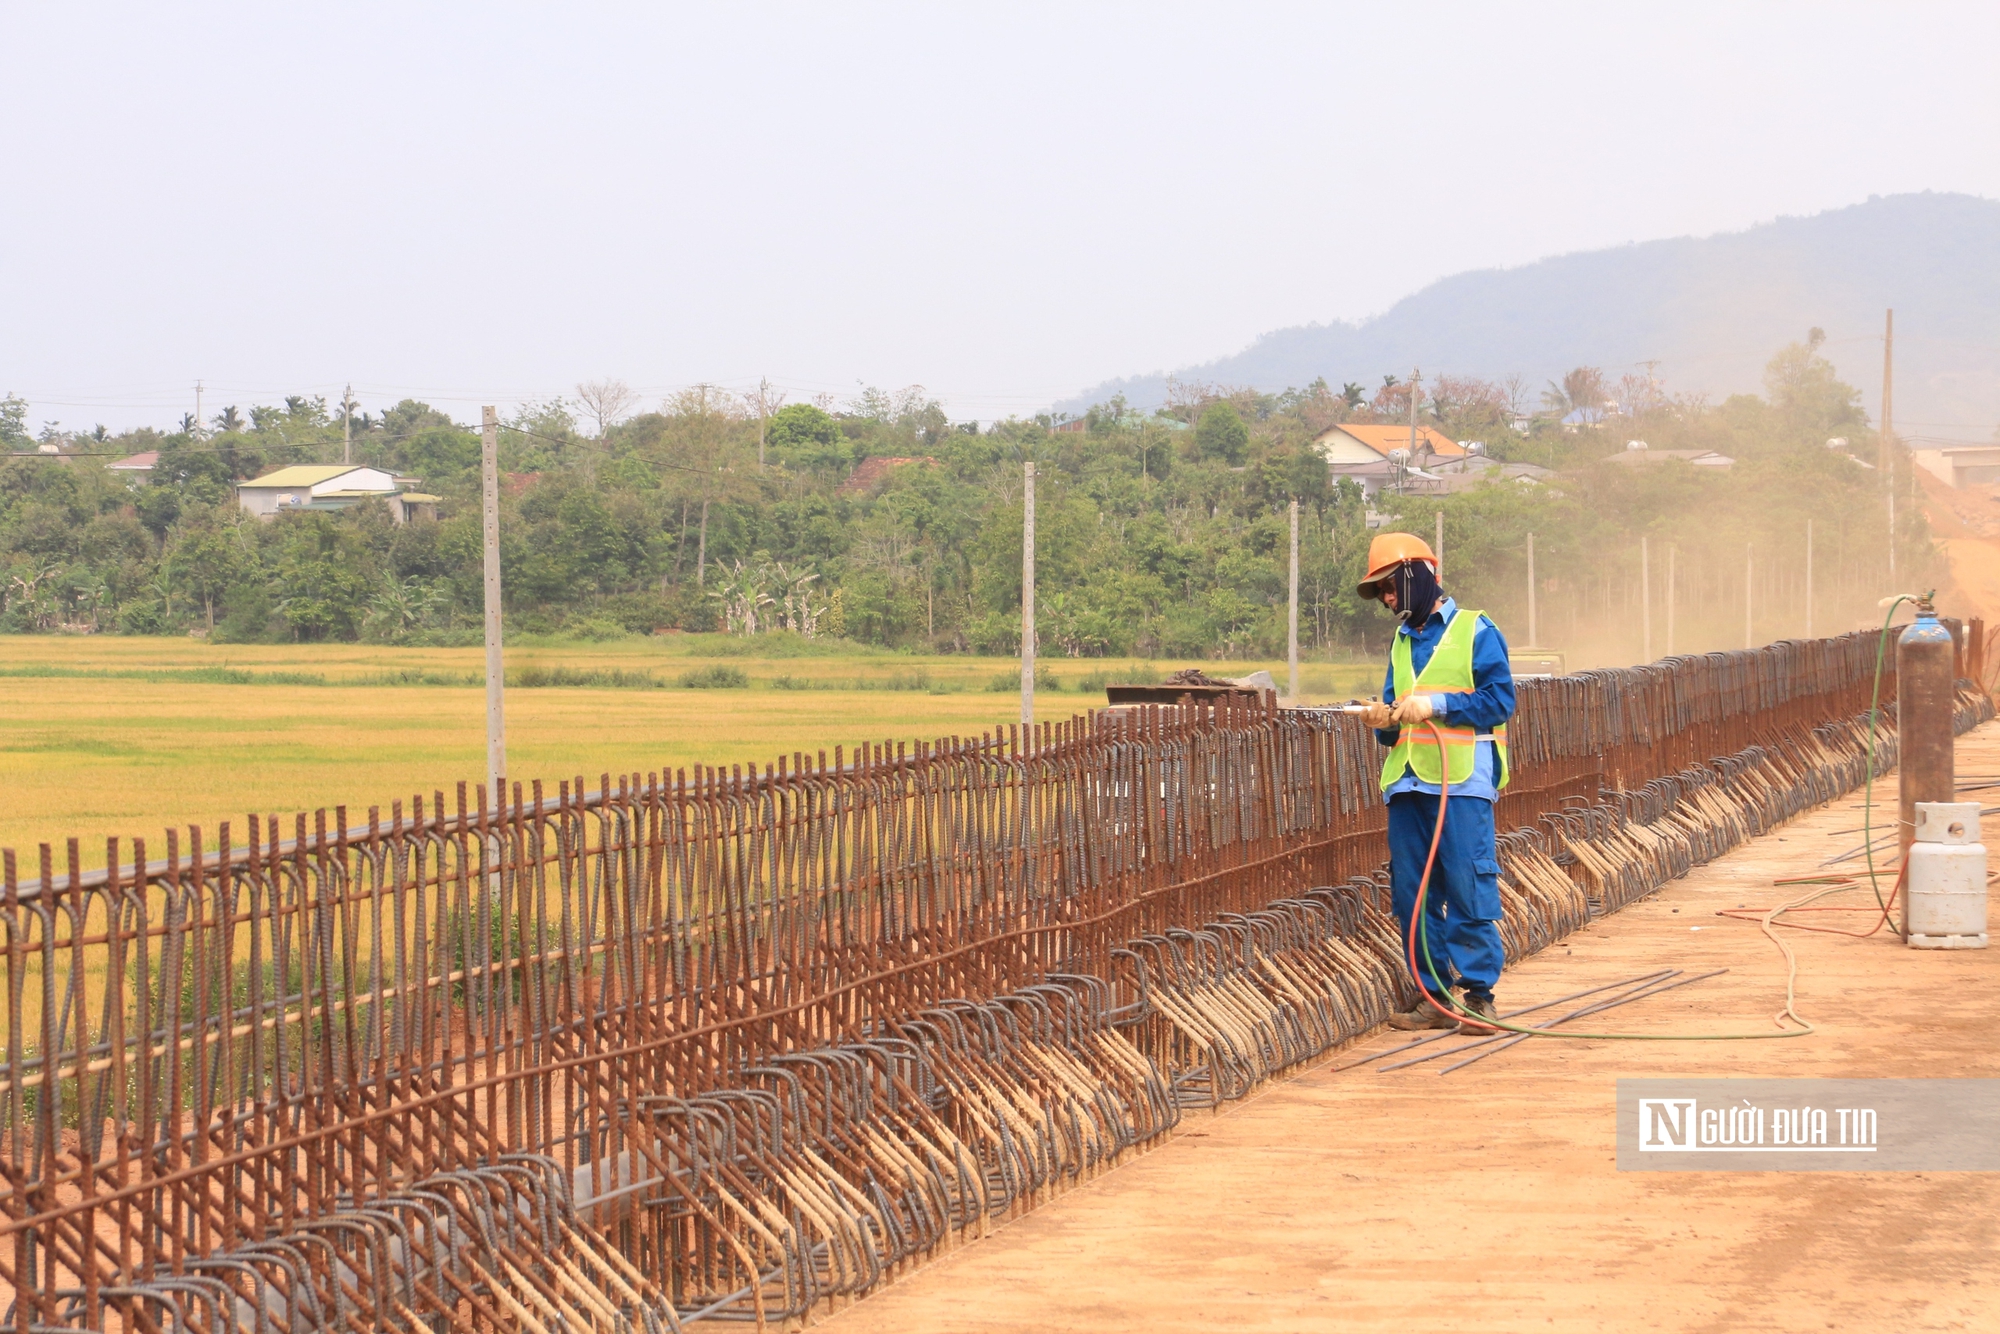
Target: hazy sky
{"points": [[483, 202]]}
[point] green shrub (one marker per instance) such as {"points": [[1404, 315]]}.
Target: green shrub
{"points": [[639, 613], [717, 677], [602, 678], [596, 630], [1007, 682]]}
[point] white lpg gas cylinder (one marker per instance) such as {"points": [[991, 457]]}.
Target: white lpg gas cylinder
{"points": [[1947, 880]]}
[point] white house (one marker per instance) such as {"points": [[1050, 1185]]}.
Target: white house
{"points": [[1362, 452], [1967, 465], [332, 487], [1636, 453]]}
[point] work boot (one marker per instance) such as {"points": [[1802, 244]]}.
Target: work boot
{"points": [[1479, 1008], [1422, 1015]]}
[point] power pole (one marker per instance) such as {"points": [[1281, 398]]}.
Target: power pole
{"points": [[1438, 548], [1672, 554], [197, 410], [1749, 566], [347, 425], [1028, 599], [1809, 587], [1888, 392], [1292, 612], [1416, 389], [1534, 638], [496, 679], [1888, 451], [1892, 530], [1645, 600], [763, 388]]}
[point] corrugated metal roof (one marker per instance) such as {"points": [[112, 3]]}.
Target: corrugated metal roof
{"points": [[304, 474]]}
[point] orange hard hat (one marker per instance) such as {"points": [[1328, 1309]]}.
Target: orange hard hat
{"points": [[1386, 552]]}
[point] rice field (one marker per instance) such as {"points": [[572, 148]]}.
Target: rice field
{"points": [[124, 736]]}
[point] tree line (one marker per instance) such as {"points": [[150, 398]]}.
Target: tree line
{"points": [[882, 521]]}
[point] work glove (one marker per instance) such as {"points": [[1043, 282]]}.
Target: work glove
{"points": [[1413, 709], [1376, 715]]}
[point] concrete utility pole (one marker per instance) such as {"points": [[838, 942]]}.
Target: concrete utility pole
{"points": [[1809, 588], [1028, 599], [1892, 531], [1437, 549], [1672, 554], [1888, 453], [1888, 392], [1645, 601], [1416, 383], [1749, 566], [198, 432], [1292, 612], [347, 425], [1534, 638], [763, 388], [496, 678]]}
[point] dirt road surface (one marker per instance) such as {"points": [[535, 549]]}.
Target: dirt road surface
{"points": [[1966, 523], [1489, 1199]]}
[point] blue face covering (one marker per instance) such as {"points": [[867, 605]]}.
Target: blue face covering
{"points": [[1416, 591]]}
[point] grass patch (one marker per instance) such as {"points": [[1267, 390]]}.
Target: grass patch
{"points": [[601, 678], [1010, 682], [198, 676], [777, 644], [413, 677], [717, 677], [87, 751], [918, 680]]}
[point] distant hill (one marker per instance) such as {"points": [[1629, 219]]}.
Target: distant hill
{"points": [[1711, 310]]}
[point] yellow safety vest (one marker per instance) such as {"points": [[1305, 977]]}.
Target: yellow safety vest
{"points": [[1449, 672]]}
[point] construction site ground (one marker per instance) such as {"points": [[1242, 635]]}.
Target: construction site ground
{"points": [[1489, 1199], [1966, 523]]}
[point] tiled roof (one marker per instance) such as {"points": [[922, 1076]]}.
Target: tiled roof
{"points": [[1382, 439]]}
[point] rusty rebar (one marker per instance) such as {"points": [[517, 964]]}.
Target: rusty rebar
{"points": [[738, 1042]]}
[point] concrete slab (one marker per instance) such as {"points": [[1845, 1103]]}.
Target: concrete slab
{"points": [[1489, 1199]]}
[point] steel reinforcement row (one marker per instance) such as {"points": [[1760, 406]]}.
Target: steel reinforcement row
{"points": [[736, 1044]]}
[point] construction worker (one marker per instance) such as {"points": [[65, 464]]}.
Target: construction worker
{"points": [[1448, 669]]}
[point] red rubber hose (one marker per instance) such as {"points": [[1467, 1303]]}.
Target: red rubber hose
{"points": [[1424, 883]]}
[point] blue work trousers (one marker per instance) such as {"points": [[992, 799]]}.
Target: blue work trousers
{"points": [[1462, 905]]}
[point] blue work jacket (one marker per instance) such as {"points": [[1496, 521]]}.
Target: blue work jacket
{"points": [[1490, 703]]}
